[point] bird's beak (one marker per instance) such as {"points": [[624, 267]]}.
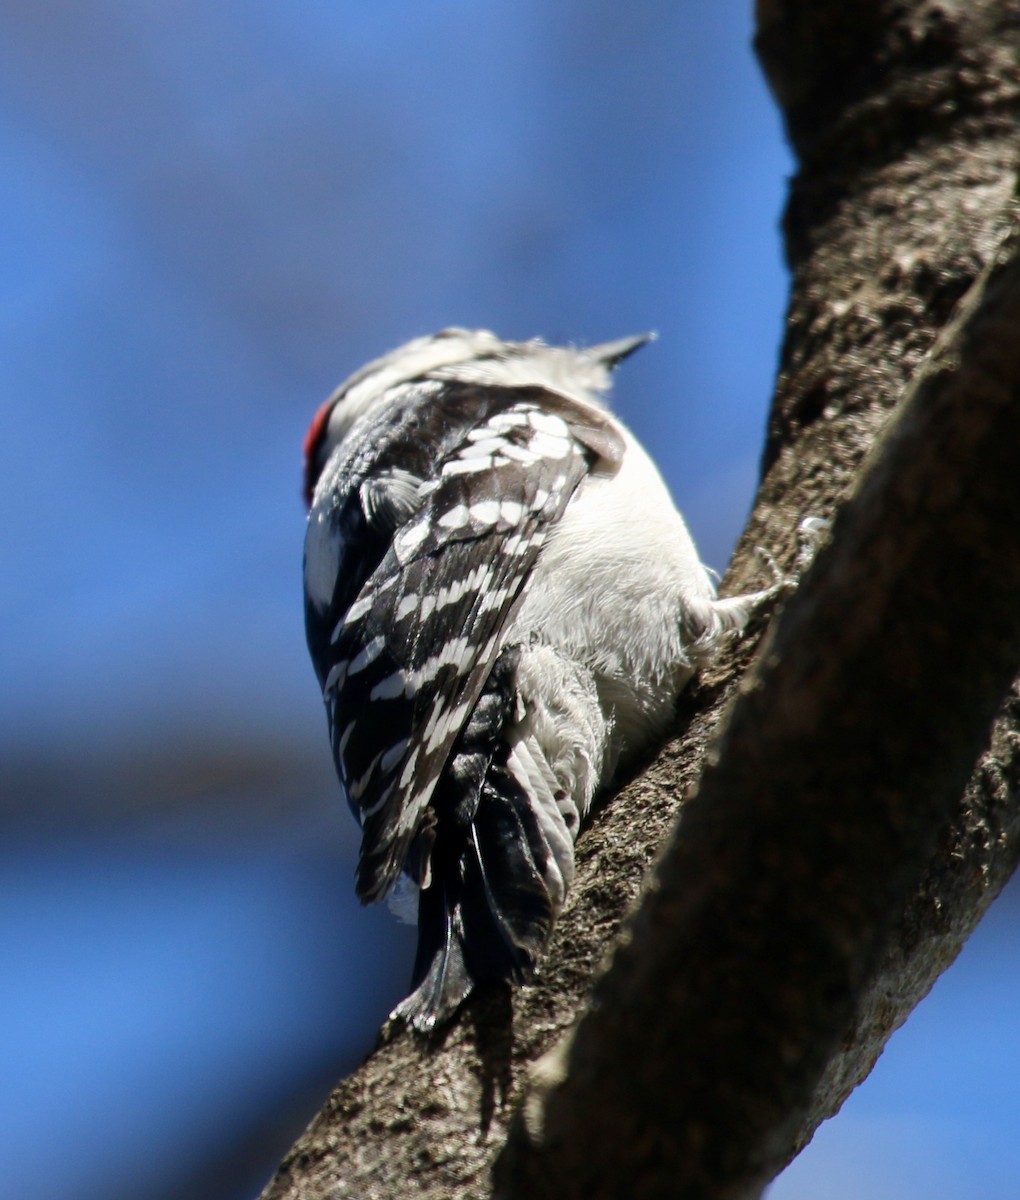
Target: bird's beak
{"points": [[612, 353]]}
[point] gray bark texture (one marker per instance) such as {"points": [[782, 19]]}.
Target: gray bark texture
{"points": [[831, 856]]}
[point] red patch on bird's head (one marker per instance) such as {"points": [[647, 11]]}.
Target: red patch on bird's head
{"points": [[312, 445]]}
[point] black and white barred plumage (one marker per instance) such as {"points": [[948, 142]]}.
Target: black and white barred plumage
{"points": [[501, 600]]}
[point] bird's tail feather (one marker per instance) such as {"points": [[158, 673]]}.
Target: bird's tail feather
{"points": [[500, 845], [487, 913]]}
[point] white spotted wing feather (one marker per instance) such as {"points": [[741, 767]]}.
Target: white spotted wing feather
{"points": [[412, 642]]}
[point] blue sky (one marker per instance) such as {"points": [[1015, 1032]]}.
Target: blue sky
{"points": [[211, 215]]}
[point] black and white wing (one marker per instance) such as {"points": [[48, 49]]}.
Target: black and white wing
{"points": [[419, 548]]}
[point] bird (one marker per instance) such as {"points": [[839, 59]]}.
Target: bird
{"points": [[502, 604]]}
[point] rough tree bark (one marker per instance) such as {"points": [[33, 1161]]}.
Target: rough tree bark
{"points": [[831, 862]]}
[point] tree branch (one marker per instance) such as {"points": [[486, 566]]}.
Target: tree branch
{"points": [[815, 821], [904, 117]]}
